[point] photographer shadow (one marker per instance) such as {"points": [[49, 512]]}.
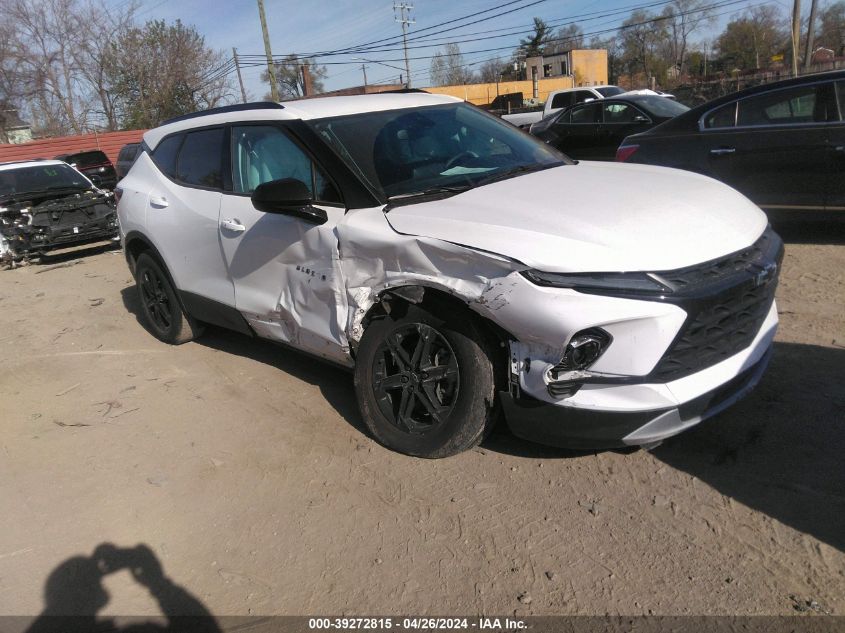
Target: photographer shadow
{"points": [[74, 594]]}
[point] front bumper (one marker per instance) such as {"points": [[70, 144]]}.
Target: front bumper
{"points": [[572, 427]]}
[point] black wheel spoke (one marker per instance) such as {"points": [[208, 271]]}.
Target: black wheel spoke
{"points": [[396, 381], [428, 398], [400, 356]]}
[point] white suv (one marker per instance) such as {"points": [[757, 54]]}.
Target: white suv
{"points": [[460, 266]]}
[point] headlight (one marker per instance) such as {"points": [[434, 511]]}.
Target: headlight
{"points": [[603, 283]]}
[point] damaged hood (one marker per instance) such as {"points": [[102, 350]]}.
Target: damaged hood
{"points": [[593, 217]]}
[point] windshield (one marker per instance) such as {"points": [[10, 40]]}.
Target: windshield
{"points": [[609, 91], [24, 180], [401, 152], [662, 106]]}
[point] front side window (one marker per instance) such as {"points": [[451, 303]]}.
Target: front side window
{"points": [[201, 159], [583, 95], [721, 117], [261, 153], [414, 149]]}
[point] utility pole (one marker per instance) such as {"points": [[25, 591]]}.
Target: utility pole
{"points": [[271, 68], [404, 18], [808, 52], [307, 87], [364, 70], [796, 34], [240, 78]]}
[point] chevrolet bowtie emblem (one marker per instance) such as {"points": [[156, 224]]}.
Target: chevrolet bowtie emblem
{"points": [[765, 274]]}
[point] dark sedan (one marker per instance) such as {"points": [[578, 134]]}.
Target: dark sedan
{"points": [[593, 130], [781, 144]]}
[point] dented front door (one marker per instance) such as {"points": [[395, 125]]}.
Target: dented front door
{"points": [[284, 269]]}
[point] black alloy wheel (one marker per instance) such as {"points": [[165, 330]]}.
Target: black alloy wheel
{"points": [[156, 302], [416, 380], [425, 383], [162, 313]]}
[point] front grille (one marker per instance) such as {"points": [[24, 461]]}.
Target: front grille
{"points": [[689, 279], [726, 302]]}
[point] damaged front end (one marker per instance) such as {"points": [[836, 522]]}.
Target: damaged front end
{"points": [[35, 224]]}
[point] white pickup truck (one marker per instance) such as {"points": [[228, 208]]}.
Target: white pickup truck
{"points": [[560, 99]]}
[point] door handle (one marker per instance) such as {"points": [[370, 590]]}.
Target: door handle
{"points": [[839, 148], [159, 202], [232, 225], [722, 150]]}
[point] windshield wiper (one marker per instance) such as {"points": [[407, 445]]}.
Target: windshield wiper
{"points": [[433, 192], [516, 171]]}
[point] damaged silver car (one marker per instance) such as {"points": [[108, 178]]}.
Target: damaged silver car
{"points": [[46, 204], [462, 268]]}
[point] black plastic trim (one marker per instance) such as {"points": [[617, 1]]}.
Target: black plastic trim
{"points": [[238, 107], [214, 312]]}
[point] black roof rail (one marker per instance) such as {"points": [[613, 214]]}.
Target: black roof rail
{"points": [[400, 91], [238, 107]]}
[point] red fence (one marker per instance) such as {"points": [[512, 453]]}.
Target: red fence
{"points": [[108, 142]]}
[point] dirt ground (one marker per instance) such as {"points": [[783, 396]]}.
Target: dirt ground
{"points": [[246, 471]]}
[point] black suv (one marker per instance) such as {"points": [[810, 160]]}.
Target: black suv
{"points": [[94, 164]]}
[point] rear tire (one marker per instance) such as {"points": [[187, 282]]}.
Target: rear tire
{"points": [[425, 385], [162, 313]]}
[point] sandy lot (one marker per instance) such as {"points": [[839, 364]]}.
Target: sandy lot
{"points": [[245, 470]]}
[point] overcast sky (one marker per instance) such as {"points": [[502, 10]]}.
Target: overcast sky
{"points": [[321, 25]]}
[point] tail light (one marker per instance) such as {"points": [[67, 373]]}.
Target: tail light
{"points": [[625, 152]]}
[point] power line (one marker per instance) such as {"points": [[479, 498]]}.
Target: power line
{"points": [[717, 5]]}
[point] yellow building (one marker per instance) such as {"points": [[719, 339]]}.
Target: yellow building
{"points": [[546, 74]]}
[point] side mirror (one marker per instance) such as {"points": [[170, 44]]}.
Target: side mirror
{"points": [[288, 196], [639, 118]]}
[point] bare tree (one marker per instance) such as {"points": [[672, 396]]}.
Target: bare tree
{"points": [[96, 56], [448, 67], [640, 39], [290, 79], [492, 70], [46, 35], [683, 18], [567, 38]]}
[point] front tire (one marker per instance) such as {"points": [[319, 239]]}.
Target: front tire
{"points": [[425, 385], [162, 313]]}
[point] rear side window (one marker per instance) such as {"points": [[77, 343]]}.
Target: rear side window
{"points": [[164, 155], [790, 106], [201, 159]]}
